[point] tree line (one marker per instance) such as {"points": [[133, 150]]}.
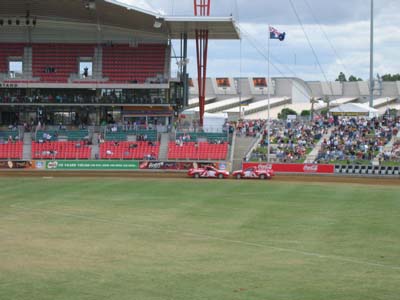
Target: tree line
{"points": [[387, 77]]}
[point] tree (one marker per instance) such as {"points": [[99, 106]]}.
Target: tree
{"points": [[341, 77], [305, 113], [327, 100], [354, 78], [286, 112], [390, 77], [324, 112]]}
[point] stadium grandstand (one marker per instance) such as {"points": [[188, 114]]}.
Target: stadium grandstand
{"points": [[249, 95], [92, 79]]}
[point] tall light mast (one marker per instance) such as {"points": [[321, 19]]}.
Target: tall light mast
{"points": [[371, 67]]}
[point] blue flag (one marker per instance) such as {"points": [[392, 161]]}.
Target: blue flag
{"points": [[276, 35]]}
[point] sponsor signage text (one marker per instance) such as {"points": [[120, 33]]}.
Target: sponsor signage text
{"points": [[92, 165], [294, 168]]}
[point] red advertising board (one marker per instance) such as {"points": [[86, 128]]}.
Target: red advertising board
{"points": [[179, 165], [294, 168]]}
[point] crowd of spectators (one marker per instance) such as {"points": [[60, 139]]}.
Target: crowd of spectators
{"points": [[120, 150], [358, 139], [9, 140], [181, 140], [66, 98], [292, 140], [128, 126], [393, 154], [348, 139], [11, 135], [249, 127]]}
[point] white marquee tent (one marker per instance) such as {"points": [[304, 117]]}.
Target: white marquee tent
{"points": [[354, 109]]}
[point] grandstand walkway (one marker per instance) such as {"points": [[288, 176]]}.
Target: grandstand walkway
{"points": [[314, 153], [95, 154], [387, 148], [27, 149], [242, 146], [164, 141]]}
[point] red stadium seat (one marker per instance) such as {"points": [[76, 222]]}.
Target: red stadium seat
{"points": [[125, 64], [62, 57], [11, 150], [61, 150], [9, 50], [204, 151], [125, 150]]}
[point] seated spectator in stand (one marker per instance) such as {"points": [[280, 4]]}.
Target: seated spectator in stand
{"points": [[52, 152]]}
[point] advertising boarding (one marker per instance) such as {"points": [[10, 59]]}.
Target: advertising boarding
{"points": [[294, 168], [112, 165]]}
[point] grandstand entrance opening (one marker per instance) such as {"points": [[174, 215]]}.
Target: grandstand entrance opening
{"points": [[15, 68], [86, 68]]}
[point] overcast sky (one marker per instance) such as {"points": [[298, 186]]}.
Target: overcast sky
{"points": [[345, 22]]}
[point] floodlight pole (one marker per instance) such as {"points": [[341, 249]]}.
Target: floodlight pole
{"points": [[202, 8], [239, 87], [371, 67], [269, 84]]}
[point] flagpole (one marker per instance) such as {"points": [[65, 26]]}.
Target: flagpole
{"points": [[269, 96]]}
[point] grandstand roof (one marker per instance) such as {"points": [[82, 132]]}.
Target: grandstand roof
{"points": [[117, 14], [219, 27]]}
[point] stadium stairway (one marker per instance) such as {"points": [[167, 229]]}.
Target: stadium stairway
{"points": [[27, 149], [388, 148], [163, 152], [95, 151], [95, 146], [242, 145], [314, 153]]}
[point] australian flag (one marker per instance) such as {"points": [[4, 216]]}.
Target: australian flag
{"points": [[276, 35]]}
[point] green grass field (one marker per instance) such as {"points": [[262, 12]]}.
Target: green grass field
{"points": [[76, 238]]}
